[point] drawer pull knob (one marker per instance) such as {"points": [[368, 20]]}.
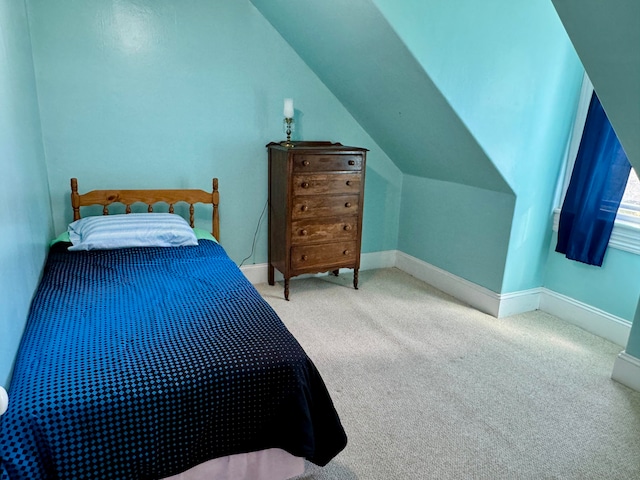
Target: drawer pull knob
{"points": [[349, 182], [304, 208], [346, 252], [352, 162], [347, 227], [305, 184], [303, 232], [305, 163], [304, 258], [348, 204]]}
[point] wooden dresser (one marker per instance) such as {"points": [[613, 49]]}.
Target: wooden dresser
{"points": [[316, 193]]}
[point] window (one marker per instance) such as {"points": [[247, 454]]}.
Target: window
{"points": [[626, 231], [630, 206]]}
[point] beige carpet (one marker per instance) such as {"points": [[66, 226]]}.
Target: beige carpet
{"points": [[428, 388]]}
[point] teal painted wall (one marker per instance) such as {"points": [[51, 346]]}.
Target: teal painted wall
{"points": [[614, 287], [463, 230], [510, 72], [606, 36], [25, 215], [363, 61], [158, 93]]}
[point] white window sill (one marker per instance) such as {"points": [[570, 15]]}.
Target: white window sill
{"points": [[625, 235]]}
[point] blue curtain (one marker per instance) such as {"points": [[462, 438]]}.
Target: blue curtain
{"points": [[597, 184]]}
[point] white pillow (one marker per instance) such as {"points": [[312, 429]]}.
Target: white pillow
{"points": [[131, 230]]}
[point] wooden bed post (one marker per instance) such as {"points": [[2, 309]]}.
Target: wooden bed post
{"points": [[75, 199], [215, 199]]}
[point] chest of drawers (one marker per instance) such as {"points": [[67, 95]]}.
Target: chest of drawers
{"points": [[316, 193]]}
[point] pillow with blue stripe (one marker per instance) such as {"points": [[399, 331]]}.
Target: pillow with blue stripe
{"points": [[131, 230]]}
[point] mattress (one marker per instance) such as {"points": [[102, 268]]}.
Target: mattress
{"points": [[141, 363]]}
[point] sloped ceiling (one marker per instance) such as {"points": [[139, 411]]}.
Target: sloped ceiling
{"points": [[606, 36], [355, 52]]}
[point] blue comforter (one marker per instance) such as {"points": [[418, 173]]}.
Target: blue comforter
{"points": [[140, 363]]}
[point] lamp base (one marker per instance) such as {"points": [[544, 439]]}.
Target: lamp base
{"points": [[288, 127]]}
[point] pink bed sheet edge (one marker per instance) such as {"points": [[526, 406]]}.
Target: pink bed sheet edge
{"points": [[270, 464]]}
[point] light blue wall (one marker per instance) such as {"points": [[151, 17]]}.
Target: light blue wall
{"points": [[363, 61], [463, 230], [25, 215], [606, 36], [510, 72], [158, 93], [614, 287]]}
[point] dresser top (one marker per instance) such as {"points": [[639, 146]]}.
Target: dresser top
{"points": [[316, 146]]}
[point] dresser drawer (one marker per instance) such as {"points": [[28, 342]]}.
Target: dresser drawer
{"points": [[312, 206], [326, 163], [316, 230], [319, 184], [328, 255]]}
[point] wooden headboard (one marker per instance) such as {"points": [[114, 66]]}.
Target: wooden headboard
{"points": [[148, 197]]}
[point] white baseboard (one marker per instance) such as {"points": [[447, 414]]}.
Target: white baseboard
{"points": [[485, 300], [594, 320], [519, 302], [626, 371], [256, 273], [470, 293]]}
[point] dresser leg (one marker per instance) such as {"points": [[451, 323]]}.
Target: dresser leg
{"points": [[286, 289], [336, 272], [355, 279], [271, 274]]}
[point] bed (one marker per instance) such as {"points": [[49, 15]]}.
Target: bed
{"points": [[155, 362]]}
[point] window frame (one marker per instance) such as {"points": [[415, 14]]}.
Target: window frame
{"points": [[626, 230]]}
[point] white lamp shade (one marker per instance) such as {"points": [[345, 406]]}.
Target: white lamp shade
{"points": [[288, 108]]}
